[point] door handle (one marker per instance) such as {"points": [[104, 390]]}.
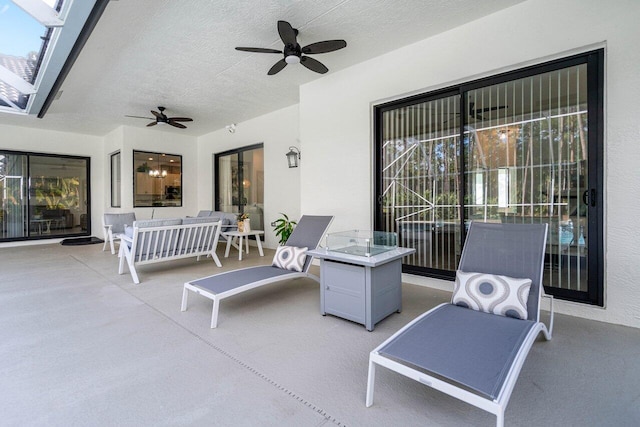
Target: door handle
{"points": [[589, 197]]}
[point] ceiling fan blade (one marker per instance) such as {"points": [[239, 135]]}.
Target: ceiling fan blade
{"points": [[152, 124], [140, 117], [158, 115], [287, 33], [324, 47], [258, 50], [181, 119], [313, 65], [178, 125], [277, 67]]}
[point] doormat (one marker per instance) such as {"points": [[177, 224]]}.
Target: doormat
{"points": [[81, 241]]}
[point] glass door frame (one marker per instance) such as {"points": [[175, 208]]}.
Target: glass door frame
{"points": [[28, 189], [595, 172], [240, 175]]}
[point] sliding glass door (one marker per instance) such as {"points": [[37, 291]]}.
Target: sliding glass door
{"points": [[43, 196], [239, 184], [420, 181], [524, 147], [14, 191]]}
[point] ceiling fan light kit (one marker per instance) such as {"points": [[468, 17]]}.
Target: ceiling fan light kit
{"points": [[293, 53]]}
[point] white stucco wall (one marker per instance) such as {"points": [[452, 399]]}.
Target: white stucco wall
{"points": [[336, 123], [43, 141], [278, 131]]}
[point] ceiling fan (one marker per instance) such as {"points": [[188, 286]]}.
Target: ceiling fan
{"points": [[293, 53], [161, 118]]}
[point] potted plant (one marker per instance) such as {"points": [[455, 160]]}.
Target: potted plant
{"points": [[283, 228], [242, 217]]}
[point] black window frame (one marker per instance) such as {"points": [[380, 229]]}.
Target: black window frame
{"points": [[31, 237]]}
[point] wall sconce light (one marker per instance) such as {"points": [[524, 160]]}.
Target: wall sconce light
{"points": [[231, 128], [292, 157]]}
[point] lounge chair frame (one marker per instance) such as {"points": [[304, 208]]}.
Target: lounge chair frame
{"points": [[210, 286], [496, 406]]}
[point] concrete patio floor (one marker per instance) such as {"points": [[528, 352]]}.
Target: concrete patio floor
{"points": [[82, 345]]}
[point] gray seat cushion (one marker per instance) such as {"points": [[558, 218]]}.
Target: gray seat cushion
{"points": [[117, 221], [472, 348]]}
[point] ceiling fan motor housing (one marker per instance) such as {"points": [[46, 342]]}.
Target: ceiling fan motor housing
{"points": [[292, 53]]}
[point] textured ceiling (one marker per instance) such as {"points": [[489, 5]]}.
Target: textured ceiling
{"points": [[180, 55]]}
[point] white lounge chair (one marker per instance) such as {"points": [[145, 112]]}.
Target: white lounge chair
{"points": [[308, 233], [472, 355]]}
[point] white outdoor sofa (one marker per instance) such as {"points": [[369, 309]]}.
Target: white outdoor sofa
{"points": [[159, 240]]}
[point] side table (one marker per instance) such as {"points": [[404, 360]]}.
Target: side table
{"points": [[359, 288], [242, 236]]}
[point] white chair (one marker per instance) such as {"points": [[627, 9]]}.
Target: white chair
{"points": [[113, 224]]}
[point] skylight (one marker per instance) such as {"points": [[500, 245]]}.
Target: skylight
{"points": [[23, 42], [39, 43]]}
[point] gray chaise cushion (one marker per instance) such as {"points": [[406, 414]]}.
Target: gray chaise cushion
{"points": [[469, 347], [232, 279]]}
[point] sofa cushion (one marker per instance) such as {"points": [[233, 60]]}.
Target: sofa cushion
{"points": [[117, 221], [199, 220], [160, 222], [228, 219]]}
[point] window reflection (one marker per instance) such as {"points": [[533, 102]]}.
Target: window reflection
{"points": [[157, 179]]}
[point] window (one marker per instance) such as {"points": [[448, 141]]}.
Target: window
{"points": [[43, 196], [116, 178], [522, 147], [157, 179], [240, 183]]}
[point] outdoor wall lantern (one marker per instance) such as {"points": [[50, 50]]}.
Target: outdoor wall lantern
{"points": [[293, 156]]}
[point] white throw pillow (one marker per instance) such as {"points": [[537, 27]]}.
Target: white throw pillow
{"points": [[290, 258], [492, 293]]}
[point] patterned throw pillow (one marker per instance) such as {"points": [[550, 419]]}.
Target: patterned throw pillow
{"points": [[491, 293], [290, 258]]}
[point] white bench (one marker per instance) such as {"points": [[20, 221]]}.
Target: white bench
{"points": [[160, 240]]}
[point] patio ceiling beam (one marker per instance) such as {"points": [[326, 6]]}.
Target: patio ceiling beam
{"points": [[41, 12], [15, 81]]}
